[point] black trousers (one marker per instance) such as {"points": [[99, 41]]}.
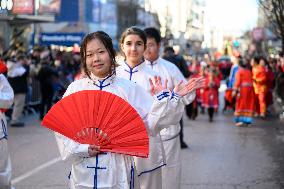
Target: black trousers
{"points": [[181, 131], [46, 101]]}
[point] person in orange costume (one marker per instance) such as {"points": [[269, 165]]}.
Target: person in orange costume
{"points": [[259, 85], [243, 90]]}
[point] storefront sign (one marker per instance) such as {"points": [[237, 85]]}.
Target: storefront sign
{"points": [[61, 39]]}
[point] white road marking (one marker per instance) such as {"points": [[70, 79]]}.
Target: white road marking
{"points": [[33, 171]]}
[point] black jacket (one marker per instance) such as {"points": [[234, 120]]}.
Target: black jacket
{"points": [[179, 62], [20, 83]]}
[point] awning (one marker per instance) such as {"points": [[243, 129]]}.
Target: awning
{"points": [[26, 19]]}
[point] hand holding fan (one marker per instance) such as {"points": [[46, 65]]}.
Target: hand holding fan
{"points": [[100, 118]]}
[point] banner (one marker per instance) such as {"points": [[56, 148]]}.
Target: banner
{"points": [[49, 6], [23, 7], [69, 11]]}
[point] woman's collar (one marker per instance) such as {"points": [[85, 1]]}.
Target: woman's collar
{"points": [[96, 79], [135, 67]]}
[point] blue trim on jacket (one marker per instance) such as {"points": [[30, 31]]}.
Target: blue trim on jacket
{"points": [[101, 85], [163, 95], [131, 72], [151, 170], [5, 132]]}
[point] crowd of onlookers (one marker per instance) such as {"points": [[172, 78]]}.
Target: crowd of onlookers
{"points": [[39, 78]]}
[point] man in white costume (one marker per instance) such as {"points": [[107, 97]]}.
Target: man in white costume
{"points": [[90, 168], [6, 100], [135, 69], [171, 173]]}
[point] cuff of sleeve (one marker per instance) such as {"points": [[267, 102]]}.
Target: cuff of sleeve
{"points": [[175, 96], [187, 99], [162, 95], [82, 150]]}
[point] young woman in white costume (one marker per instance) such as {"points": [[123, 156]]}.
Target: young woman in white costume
{"points": [[90, 168], [134, 68]]}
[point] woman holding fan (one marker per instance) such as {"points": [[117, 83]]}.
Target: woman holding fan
{"points": [[91, 167]]}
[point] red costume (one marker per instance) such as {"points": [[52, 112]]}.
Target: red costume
{"points": [[210, 94], [245, 97]]}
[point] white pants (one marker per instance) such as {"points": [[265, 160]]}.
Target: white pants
{"points": [[171, 173], [151, 180], [19, 103], [5, 165]]}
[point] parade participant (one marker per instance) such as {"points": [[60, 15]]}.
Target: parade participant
{"points": [[109, 170], [6, 100], [169, 55], [134, 68], [259, 84], [171, 173], [195, 72], [243, 90], [229, 99], [210, 94], [270, 83], [3, 67]]}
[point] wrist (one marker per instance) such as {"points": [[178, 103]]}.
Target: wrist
{"points": [[162, 95], [175, 96]]}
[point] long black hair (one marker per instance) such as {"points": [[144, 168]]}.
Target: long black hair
{"points": [[106, 40]]}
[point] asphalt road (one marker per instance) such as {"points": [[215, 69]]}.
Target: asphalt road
{"points": [[220, 155]]}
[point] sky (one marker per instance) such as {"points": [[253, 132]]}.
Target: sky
{"points": [[234, 16]]}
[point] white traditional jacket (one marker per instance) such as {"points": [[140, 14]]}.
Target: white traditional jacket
{"points": [[6, 100], [169, 71], [140, 75], [109, 170]]}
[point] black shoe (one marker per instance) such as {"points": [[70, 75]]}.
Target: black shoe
{"points": [[183, 145], [17, 124]]}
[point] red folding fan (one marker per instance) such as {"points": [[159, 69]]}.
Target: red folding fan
{"points": [[100, 118]]}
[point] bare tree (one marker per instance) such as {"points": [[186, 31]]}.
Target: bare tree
{"points": [[274, 11]]}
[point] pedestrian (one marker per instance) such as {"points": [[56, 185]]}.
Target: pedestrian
{"points": [[6, 100], [134, 68], [18, 73], [169, 55], [46, 76], [243, 90], [99, 65], [171, 172]]}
